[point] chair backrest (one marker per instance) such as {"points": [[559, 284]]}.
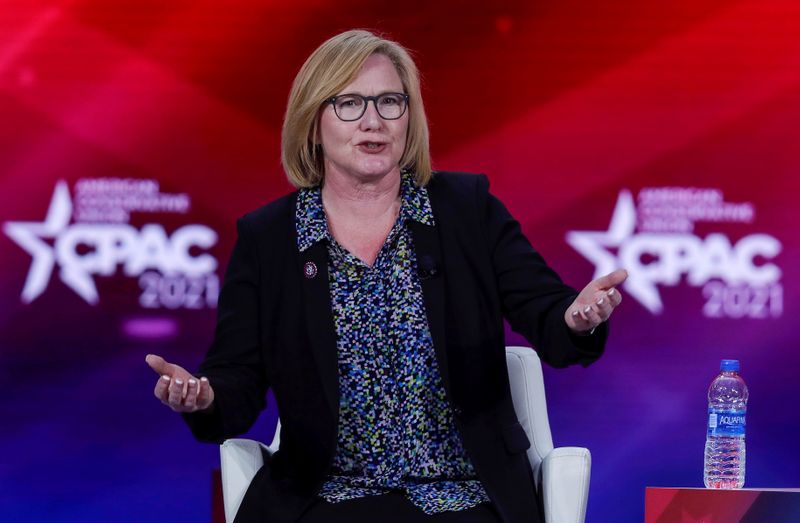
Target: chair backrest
{"points": [[566, 476], [530, 405], [276, 439]]}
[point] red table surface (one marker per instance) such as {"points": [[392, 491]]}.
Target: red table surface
{"points": [[698, 505]]}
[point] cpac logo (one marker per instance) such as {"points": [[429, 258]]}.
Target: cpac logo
{"points": [[654, 258], [83, 250]]}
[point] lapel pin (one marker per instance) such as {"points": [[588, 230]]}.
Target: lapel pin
{"points": [[310, 270]]}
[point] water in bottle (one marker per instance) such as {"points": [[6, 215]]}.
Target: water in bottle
{"points": [[727, 404]]}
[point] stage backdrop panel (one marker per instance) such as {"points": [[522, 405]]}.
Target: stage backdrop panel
{"points": [[657, 136]]}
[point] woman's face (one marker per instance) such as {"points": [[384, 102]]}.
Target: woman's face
{"points": [[370, 147]]}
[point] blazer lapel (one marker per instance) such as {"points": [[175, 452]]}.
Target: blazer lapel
{"points": [[319, 319], [430, 266]]}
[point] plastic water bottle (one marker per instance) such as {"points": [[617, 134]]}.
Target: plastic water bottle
{"points": [[727, 405]]}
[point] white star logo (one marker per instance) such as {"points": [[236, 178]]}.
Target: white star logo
{"points": [[594, 246], [30, 236]]}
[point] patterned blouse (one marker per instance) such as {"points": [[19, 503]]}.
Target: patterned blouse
{"points": [[396, 429]]}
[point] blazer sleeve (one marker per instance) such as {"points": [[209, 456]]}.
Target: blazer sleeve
{"points": [[532, 295], [234, 363]]}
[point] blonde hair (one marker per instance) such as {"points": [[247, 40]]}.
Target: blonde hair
{"points": [[325, 73]]}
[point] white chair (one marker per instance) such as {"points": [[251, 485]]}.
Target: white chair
{"points": [[561, 474]]}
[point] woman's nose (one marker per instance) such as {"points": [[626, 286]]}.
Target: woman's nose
{"points": [[371, 119]]}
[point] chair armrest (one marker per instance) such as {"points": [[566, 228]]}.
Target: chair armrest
{"points": [[240, 460], [565, 477]]}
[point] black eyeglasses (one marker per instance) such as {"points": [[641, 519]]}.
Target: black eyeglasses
{"points": [[351, 107]]}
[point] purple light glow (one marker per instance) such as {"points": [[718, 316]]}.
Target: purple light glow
{"points": [[150, 328]]}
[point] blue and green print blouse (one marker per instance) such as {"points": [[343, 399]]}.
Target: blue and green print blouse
{"points": [[396, 429]]}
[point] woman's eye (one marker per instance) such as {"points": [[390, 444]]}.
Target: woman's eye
{"points": [[389, 100], [347, 103]]}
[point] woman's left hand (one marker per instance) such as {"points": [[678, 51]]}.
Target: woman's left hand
{"points": [[595, 303]]}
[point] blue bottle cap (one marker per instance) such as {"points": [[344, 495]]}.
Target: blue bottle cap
{"points": [[729, 365]]}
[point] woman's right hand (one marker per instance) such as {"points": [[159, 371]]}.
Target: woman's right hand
{"points": [[178, 389]]}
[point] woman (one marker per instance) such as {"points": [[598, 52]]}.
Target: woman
{"points": [[372, 302]]}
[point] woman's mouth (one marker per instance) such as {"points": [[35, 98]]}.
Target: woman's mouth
{"points": [[372, 147]]}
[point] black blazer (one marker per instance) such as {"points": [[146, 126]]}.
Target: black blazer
{"points": [[275, 330]]}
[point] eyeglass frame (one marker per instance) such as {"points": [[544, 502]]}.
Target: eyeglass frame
{"points": [[367, 99]]}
